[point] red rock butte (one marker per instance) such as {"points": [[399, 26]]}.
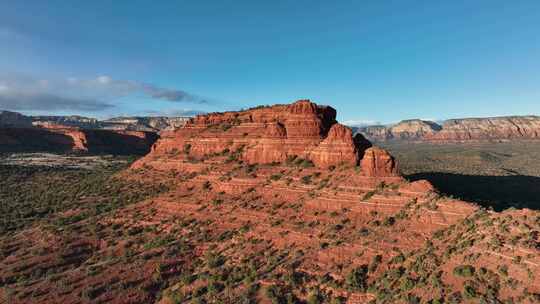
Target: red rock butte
{"points": [[272, 134]]}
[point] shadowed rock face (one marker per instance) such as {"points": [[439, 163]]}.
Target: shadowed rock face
{"points": [[457, 130], [271, 135], [64, 139], [14, 120]]}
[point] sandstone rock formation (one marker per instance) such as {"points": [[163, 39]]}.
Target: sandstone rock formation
{"points": [[265, 135], [458, 130], [378, 163]]}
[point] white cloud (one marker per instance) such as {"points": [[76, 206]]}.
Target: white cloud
{"points": [[104, 79], [360, 122], [174, 112], [17, 101]]}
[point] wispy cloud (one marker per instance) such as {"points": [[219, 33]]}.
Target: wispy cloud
{"points": [[174, 112], [360, 122], [74, 94], [114, 87], [49, 102]]}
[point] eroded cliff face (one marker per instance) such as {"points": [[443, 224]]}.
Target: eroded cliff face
{"points": [[497, 128], [458, 130], [413, 129], [266, 135], [59, 138]]}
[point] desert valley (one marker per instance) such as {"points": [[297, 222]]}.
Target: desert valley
{"points": [[273, 152], [275, 204]]}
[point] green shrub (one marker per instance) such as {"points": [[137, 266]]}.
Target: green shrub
{"points": [[306, 180], [407, 284], [369, 195], [389, 221], [276, 177], [469, 292], [464, 271], [357, 279]]}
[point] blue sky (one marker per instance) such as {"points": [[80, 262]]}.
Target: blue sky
{"points": [[375, 61]]}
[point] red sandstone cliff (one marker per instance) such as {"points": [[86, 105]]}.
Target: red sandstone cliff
{"points": [[458, 130], [273, 134]]}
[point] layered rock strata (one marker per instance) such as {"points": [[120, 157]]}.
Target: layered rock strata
{"points": [[457, 130], [302, 131]]}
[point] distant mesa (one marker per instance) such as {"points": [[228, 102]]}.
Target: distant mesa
{"points": [[64, 134], [457, 130], [133, 123]]}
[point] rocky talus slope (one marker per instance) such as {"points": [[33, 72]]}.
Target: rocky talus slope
{"points": [[458, 130]]}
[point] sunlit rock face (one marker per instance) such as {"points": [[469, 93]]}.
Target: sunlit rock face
{"points": [[270, 134]]}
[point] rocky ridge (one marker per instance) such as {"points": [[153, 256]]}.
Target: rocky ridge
{"points": [[457, 130], [134, 123], [145, 124], [67, 121], [149, 124]]}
